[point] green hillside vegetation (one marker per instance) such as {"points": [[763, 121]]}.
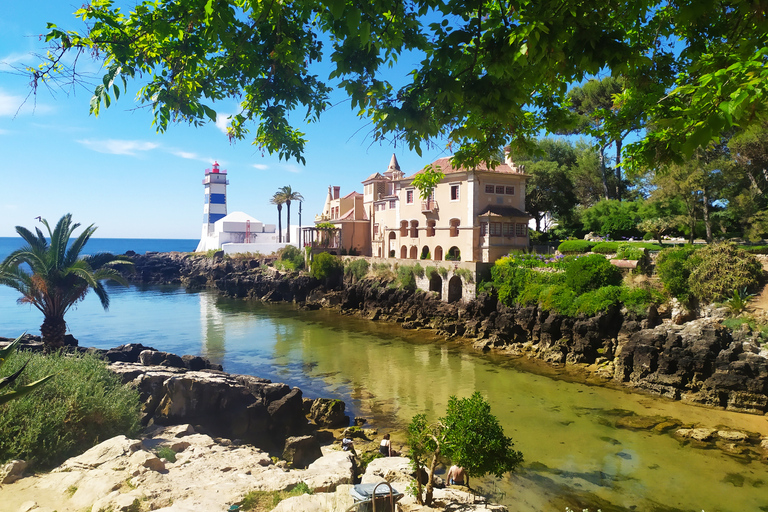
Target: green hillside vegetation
{"points": [[588, 284]]}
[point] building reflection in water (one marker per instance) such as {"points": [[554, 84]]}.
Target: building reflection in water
{"points": [[212, 329]]}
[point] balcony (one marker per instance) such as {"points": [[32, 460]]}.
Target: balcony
{"points": [[429, 206]]}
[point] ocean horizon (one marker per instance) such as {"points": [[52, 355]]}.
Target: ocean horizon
{"points": [[114, 245]]}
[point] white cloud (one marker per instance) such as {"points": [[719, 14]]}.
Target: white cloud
{"points": [[260, 167], [291, 168], [12, 61], [222, 120], [4, 132], [12, 105], [118, 147], [187, 154]]}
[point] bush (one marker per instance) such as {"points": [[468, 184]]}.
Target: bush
{"points": [[648, 236], [598, 300], [82, 405], [575, 247], [326, 266], [290, 258], [630, 252], [638, 300], [673, 270], [405, 277], [721, 269], [465, 274], [509, 278], [590, 273], [606, 247], [357, 269]]}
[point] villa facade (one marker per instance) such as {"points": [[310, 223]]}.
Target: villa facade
{"points": [[472, 215]]}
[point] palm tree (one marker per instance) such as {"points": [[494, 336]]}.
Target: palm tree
{"points": [[288, 196], [278, 199], [58, 276]]}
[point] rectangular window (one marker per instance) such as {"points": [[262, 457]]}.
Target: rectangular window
{"points": [[454, 192], [483, 228], [409, 196], [522, 229], [489, 189], [510, 191], [499, 189], [509, 229], [392, 204], [495, 228], [375, 229]]}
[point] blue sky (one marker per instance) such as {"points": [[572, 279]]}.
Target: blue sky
{"points": [[116, 172]]}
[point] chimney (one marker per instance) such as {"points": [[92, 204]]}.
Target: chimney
{"points": [[336, 192]]}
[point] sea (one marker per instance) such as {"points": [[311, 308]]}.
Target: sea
{"points": [[114, 245]]}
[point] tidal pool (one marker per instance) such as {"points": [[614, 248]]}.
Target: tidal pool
{"points": [[574, 454]]}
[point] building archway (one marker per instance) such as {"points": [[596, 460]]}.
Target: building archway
{"points": [[392, 244], [438, 256], [414, 252], [454, 289], [414, 229], [425, 254], [431, 223], [454, 254], [436, 284], [403, 227], [403, 252]]}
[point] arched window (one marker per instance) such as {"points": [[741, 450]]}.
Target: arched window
{"points": [[403, 252], [414, 252], [454, 254], [438, 253], [425, 254], [414, 229], [455, 227], [431, 227], [403, 227]]}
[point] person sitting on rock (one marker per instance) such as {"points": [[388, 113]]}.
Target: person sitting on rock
{"points": [[347, 444], [385, 448], [457, 476]]}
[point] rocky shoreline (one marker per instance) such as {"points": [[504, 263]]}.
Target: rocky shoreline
{"points": [[698, 361]]}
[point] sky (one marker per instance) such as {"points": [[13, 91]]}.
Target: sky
{"points": [[117, 173]]}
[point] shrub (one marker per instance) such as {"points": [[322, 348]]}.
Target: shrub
{"points": [[508, 277], [465, 274], [165, 452], [590, 273], [357, 269], [575, 247], [648, 236], [326, 266], [430, 271], [630, 252], [82, 405], [722, 269], [673, 271], [606, 247], [391, 253], [405, 277], [598, 300], [418, 270], [290, 258], [443, 272], [638, 300]]}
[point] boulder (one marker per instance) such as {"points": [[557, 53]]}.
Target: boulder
{"points": [[12, 471], [329, 413], [301, 451], [390, 469]]}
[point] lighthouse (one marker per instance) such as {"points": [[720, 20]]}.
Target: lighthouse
{"points": [[215, 203]]}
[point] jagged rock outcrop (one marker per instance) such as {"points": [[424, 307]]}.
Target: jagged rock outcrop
{"points": [[327, 412], [251, 409]]}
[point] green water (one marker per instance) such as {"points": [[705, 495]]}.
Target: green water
{"points": [[574, 456]]}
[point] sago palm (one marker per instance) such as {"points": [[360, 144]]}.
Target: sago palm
{"points": [[53, 276], [289, 195]]}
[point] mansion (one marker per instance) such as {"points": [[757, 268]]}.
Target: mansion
{"points": [[473, 214]]}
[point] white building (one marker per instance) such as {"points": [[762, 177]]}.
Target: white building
{"points": [[237, 232]]}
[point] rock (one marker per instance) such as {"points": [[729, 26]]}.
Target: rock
{"points": [[12, 471], [732, 435], [338, 501], [390, 469], [103, 453], [328, 413], [302, 451], [330, 471], [635, 422], [147, 460], [698, 434]]}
